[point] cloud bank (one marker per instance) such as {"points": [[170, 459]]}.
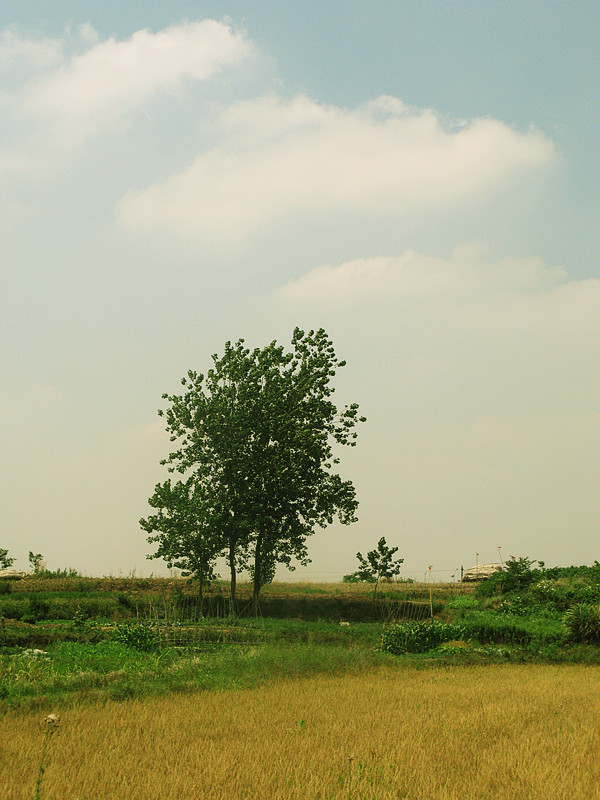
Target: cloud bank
{"points": [[280, 157], [520, 337], [76, 95]]}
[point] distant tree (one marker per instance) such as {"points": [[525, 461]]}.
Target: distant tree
{"points": [[378, 564], [36, 562], [256, 434], [5, 561]]}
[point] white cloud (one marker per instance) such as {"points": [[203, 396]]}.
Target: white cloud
{"points": [[480, 381], [279, 157], [18, 51], [523, 337], [467, 273], [111, 78]]}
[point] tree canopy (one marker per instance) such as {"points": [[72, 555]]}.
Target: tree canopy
{"points": [[254, 441], [5, 561]]}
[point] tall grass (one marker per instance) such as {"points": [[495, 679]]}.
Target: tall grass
{"points": [[441, 734]]}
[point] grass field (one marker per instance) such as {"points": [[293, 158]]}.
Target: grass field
{"points": [[431, 691], [494, 731]]}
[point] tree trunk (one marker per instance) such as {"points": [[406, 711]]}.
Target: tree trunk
{"points": [[233, 581], [201, 591], [376, 586], [257, 574]]}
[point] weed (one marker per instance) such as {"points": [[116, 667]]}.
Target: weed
{"points": [[50, 728]]}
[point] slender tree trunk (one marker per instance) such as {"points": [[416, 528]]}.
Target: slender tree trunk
{"points": [[233, 580], [376, 585], [201, 590], [257, 574]]}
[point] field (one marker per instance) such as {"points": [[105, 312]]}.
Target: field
{"points": [[431, 691], [508, 731]]}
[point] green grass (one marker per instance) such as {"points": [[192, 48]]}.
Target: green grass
{"points": [[491, 627], [73, 672], [90, 627]]}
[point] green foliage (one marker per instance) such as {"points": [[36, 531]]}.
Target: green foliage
{"points": [[67, 572], [5, 561], [359, 577], [39, 609], [379, 563], [125, 601], [36, 562], [463, 601], [183, 529], [419, 637], [516, 605], [583, 623], [517, 575], [489, 627], [137, 635], [255, 440], [5, 587]]}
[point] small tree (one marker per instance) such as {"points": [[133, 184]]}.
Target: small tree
{"points": [[188, 537], [378, 564], [5, 561], [36, 561]]}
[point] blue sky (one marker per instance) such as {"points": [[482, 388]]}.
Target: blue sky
{"points": [[420, 179]]}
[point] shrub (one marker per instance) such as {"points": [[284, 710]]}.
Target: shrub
{"points": [[359, 577], [419, 637], [67, 572], [517, 576], [39, 609], [583, 623], [125, 601], [137, 635], [4, 587], [515, 605]]}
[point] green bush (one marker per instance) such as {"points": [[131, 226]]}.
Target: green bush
{"points": [[419, 637], [5, 587], [125, 601], [358, 577], [38, 610], [137, 635], [517, 576], [514, 605], [11, 608], [583, 623]]}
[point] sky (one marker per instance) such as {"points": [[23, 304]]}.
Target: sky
{"points": [[421, 180]]}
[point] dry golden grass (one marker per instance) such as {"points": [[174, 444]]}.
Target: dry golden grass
{"points": [[509, 732]]}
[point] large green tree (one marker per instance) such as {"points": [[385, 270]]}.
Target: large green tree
{"points": [[256, 434]]}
